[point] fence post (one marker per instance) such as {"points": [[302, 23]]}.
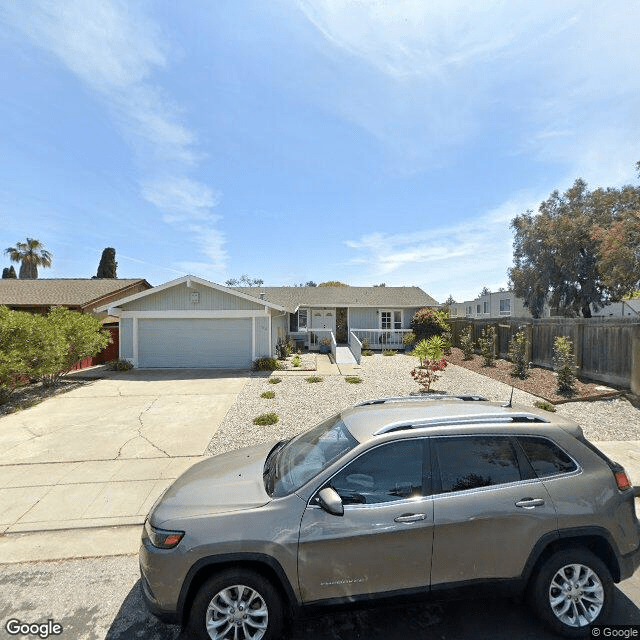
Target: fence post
{"points": [[528, 332], [578, 345], [635, 361]]}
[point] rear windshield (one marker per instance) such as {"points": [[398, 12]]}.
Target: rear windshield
{"points": [[307, 455]]}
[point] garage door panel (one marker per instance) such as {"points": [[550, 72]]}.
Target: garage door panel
{"points": [[194, 343]]}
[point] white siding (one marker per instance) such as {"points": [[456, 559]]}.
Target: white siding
{"points": [[126, 338]]}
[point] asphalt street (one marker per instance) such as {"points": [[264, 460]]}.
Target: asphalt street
{"points": [[99, 598]]}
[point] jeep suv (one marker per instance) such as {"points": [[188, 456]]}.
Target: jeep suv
{"points": [[394, 496]]}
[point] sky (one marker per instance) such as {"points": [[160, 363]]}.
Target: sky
{"points": [[364, 141]]}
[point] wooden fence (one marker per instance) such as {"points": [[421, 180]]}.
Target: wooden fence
{"points": [[604, 347]]}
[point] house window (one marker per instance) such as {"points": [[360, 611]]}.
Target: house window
{"points": [[391, 320], [478, 309], [469, 310], [505, 307], [298, 320], [485, 307]]}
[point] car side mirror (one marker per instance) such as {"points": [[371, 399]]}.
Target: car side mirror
{"points": [[330, 501]]}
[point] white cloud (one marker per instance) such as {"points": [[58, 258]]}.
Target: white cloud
{"points": [[113, 48], [458, 260], [430, 77]]}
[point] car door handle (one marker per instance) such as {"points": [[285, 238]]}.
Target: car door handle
{"points": [[410, 517], [530, 503]]}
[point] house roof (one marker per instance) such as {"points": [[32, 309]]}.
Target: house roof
{"points": [[241, 293], [293, 297], [72, 292]]}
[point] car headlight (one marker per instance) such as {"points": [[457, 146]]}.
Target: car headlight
{"points": [[162, 538]]}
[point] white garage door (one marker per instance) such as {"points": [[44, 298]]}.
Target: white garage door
{"points": [[194, 343]]}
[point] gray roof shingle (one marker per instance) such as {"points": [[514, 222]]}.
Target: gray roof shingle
{"points": [[293, 297], [73, 292]]}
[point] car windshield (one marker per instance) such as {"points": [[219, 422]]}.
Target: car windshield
{"points": [[306, 455]]}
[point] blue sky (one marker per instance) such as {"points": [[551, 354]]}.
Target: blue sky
{"points": [[354, 140]]}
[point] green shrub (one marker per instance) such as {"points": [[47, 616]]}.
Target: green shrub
{"points": [[313, 379], [547, 406], [466, 343], [430, 349], [408, 339], [275, 380], [268, 394], [120, 365], [38, 347], [265, 419], [367, 352], [564, 365], [353, 379], [487, 344], [518, 348], [388, 352], [266, 364], [296, 362], [429, 322]]}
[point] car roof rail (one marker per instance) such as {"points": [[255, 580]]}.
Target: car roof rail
{"points": [[482, 418], [432, 396]]}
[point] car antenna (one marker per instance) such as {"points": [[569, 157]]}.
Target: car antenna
{"points": [[510, 403]]}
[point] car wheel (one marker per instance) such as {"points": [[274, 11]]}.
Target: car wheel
{"points": [[236, 605], [572, 592]]}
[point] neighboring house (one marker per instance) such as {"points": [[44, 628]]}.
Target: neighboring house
{"points": [[624, 309], [77, 294], [191, 322], [497, 304]]}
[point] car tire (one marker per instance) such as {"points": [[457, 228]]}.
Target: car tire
{"points": [[236, 603], [572, 591]]}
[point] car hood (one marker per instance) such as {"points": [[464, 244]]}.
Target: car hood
{"points": [[227, 482]]}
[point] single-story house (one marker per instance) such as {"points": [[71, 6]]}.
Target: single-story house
{"points": [[191, 322]]}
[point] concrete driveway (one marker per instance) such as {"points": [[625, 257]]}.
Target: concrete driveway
{"points": [[100, 455]]}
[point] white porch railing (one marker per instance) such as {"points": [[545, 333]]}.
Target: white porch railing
{"points": [[356, 346], [316, 336], [381, 338]]}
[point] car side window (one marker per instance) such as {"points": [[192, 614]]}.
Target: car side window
{"points": [[546, 457], [389, 472], [475, 461]]}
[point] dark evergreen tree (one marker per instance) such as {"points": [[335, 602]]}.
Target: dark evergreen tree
{"points": [[108, 265]]}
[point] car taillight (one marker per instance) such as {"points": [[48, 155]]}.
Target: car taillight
{"points": [[622, 481]]}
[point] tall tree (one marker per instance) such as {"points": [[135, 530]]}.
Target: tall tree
{"points": [[244, 281], [557, 253], [31, 255], [108, 265], [485, 292]]}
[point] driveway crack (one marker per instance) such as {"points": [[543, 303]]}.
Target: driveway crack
{"points": [[153, 444]]}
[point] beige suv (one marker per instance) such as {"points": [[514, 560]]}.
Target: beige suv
{"points": [[394, 496]]}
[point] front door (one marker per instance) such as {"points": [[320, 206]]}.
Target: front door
{"points": [[322, 319], [382, 543]]}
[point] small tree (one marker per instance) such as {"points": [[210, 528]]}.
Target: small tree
{"points": [[565, 366], [466, 343], [108, 265], [518, 348], [430, 352], [487, 344]]}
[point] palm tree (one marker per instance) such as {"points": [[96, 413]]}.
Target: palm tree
{"points": [[31, 255]]}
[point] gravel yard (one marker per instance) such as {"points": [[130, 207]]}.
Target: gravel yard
{"points": [[300, 404]]}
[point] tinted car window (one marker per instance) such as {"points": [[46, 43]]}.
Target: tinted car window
{"points": [[389, 472], [546, 457], [476, 461]]}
